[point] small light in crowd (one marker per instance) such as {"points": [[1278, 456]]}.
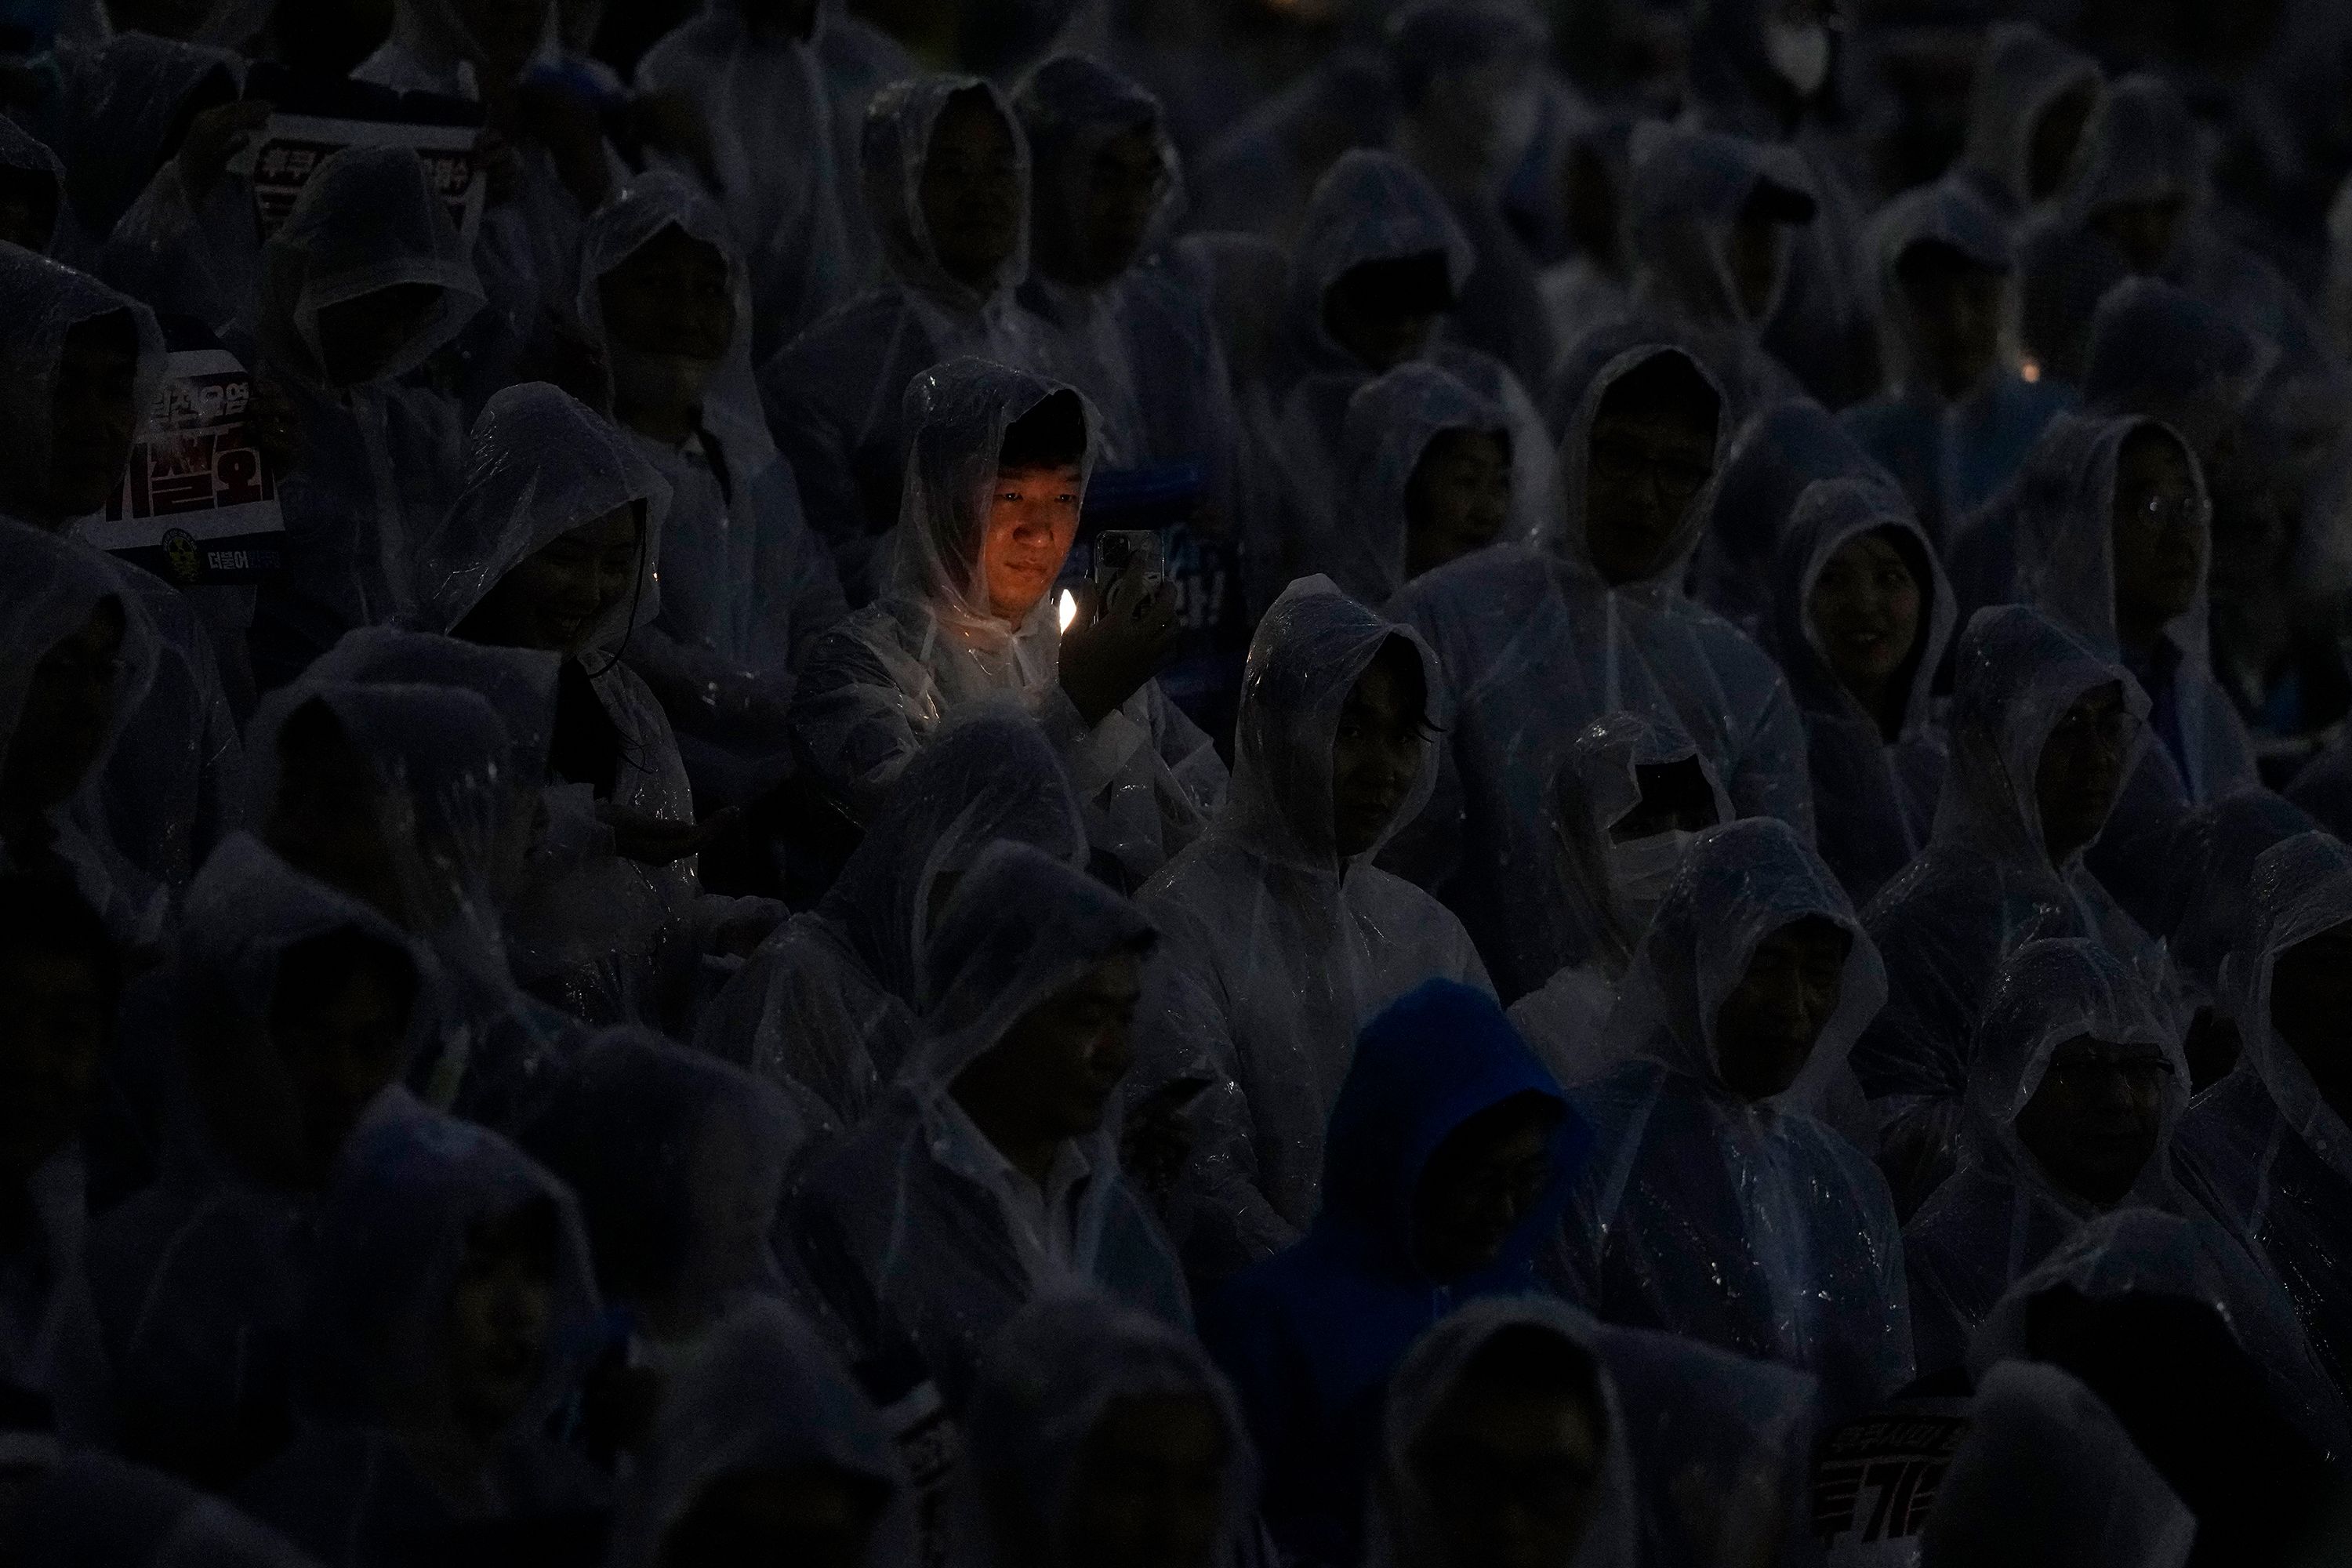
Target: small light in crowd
{"points": [[1069, 608], [2030, 370]]}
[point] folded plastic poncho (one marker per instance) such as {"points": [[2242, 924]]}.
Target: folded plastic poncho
{"points": [[2265, 1144], [2143, 145], [746, 586], [167, 795], [1406, 1529], [1685, 193], [763, 91], [1598, 783], [914, 1231], [199, 1280], [679, 1162], [53, 589], [829, 1002], [2047, 1477], [94, 1508], [763, 1393], [382, 458], [1985, 885], [1374, 207], [1141, 346], [2023, 74], [835, 393], [1874, 796], [1749, 1225], [1390, 425], [1273, 951], [2001, 1213], [1535, 646], [1951, 454], [1048, 1380], [1310, 1336], [594, 933], [2146, 1253], [379, 1377], [879, 684], [1766, 467]]}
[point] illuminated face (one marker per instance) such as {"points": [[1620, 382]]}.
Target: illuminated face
{"points": [[1033, 516]]}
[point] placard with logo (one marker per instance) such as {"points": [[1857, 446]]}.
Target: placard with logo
{"points": [[198, 503]]}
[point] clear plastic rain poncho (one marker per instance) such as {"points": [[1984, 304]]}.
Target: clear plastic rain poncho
{"points": [[746, 586], [2047, 1477], [1598, 781], [836, 394], [594, 930], [381, 458], [199, 1280], [1685, 193], [2145, 1252], [914, 1231], [94, 1508], [527, 248], [1951, 456], [52, 589], [679, 1162], [1141, 346], [2063, 518], [21, 153], [1375, 207], [377, 1370], [2023, 74], [2209, 885], [167, 795], [828, 1003], [121, 105], [1391, 424], [1048, 1379], [1403, 1530], [1873, 798], [1750, 1226], [1535, 646], [763, 92], [880, 684], [1767, 468], [446, 800], [1984, 886], [2143, 145], [1439, 46], [1274, 952], [520, 684], [2265, 1144], [1258, 176], [2000, 1213], [762, 1394]]}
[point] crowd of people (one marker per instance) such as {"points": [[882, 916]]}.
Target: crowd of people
{"points": [[1175, 783]]}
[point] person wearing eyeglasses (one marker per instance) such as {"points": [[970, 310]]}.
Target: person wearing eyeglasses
{"points": [[1536, 643], [2113, 542], [2077, 1086]]}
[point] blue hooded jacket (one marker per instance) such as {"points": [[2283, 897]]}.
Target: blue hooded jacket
{"points": [[1310, 1336]]}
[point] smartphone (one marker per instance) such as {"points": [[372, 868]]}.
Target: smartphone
{"points": [[1117, 549]]}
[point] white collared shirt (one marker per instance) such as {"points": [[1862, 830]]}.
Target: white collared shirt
{"points": [[1041, 1221]]}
